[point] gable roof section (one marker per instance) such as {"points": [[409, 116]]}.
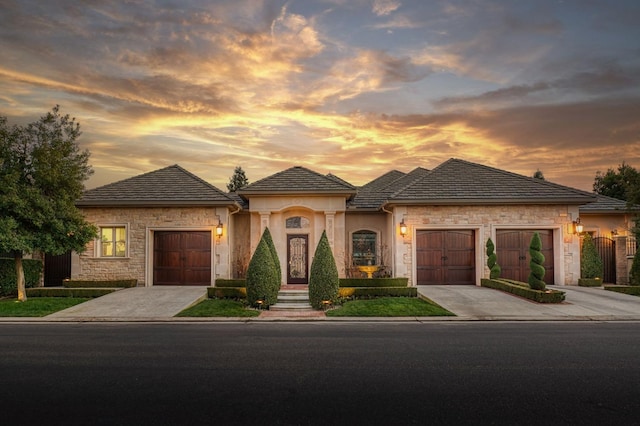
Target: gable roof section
{"points": [[606, 204], [172, 185], [298, 180], [375, 193], [461, 182]]}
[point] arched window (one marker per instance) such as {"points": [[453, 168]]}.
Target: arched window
{"points": [[364, 245], [297, 222]]}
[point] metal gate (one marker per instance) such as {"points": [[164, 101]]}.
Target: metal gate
{"points": [[607, 250], [56, 269]]}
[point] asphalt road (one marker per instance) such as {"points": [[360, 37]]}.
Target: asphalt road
{"points": [[320, 373]]}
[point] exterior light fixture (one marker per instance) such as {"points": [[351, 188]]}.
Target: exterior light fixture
{"points": [[403, 228], [219, 229], [578, 227]]}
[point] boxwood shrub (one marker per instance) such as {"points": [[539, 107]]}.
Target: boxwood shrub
{"points": [[374, 282], [68, 292], [633, 290], [223, 282], [123, 283], [540, 296], [227, 292], [373, 292], [32, 273]]}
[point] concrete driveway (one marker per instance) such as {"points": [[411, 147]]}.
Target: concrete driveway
{"points": [[582, 303]]}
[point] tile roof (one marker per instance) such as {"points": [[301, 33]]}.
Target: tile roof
{"points": [[606, 204], [298, 180], [172, 185], [374, 194], [461, 182]]}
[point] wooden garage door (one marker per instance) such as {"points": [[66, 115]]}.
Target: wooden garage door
{"points": [[512, 249], [445, 257], [182, 258]]}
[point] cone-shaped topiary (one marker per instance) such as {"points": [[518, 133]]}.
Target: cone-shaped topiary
{"points": [[492, 259], [590, 262], [323, 278], [261, 276], [274, 254], [536, 276]]}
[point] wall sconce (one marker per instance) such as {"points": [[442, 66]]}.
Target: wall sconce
{"points": [[403, 228], [577, 226], [219, 229]]}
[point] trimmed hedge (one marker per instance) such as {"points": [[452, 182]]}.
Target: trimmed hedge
{"points": [[262, 277], [632, 290], [227, 292], [540, 296], [68, 292], [126, 283], [374, 282], [324, 282], [223, 282], [372, 292], [589, 282], [8, 280]]}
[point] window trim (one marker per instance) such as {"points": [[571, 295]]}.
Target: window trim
{"points": [[98, 241]]}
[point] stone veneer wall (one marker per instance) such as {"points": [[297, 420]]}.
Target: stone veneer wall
{"points": [[138, 220], [486, 219]]}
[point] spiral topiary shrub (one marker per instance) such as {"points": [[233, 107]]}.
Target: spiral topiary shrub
{"points": [[261, 277], [536, 275], [324, 283], [492, 258]]}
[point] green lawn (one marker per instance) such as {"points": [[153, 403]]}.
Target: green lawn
{"points": [[389, 307], [37, 306], [219, 308]]}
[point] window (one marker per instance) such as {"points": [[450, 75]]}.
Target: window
{"points": [[113, 241], [364, 245], [297, 222]]}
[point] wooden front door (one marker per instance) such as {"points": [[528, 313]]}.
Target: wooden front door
{"points": [[56, 269], [512, 249], [445, 257], [182, 258], [297, 259]]}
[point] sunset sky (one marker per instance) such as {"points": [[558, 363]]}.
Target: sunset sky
{"points": [[350, 87]]}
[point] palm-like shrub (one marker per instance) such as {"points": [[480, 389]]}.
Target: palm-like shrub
{"points": [[323, 278], [536, 275], [492, 261], [590, 262], [261, 276]]}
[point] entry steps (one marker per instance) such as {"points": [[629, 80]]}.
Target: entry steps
{"points": [[292, 300]]}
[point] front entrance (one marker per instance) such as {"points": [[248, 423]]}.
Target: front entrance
{"points": [[56, 269], [445, 257], [182, 258], [512, 249], [607, 251], [297, 255]]}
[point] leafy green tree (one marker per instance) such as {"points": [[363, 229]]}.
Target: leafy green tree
{"points": [[590, 263], [324, 283], [537, 271], [492, 261], [42, 174], [623, 184], [238, 180], [274, 254]]}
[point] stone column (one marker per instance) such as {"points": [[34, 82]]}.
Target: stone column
{"points": [[264, 222], [622, 270], [329, 218]]}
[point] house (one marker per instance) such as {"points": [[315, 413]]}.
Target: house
{"points": [[169, 227], [610, 222]]}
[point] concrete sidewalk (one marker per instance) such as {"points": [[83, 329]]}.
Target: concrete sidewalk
{"points": [[469, 303]]}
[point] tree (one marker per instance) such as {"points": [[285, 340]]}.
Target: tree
{"points": [[492, 259], [274, 254], [538, 175], [590, 262], [324, 283], [42, 174], [623, 184], [238, 180], [261, 274], [537, 271]]}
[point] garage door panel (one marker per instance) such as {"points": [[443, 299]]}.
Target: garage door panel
{"points": [[512, 249], [182, 258], [445, 257]]}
